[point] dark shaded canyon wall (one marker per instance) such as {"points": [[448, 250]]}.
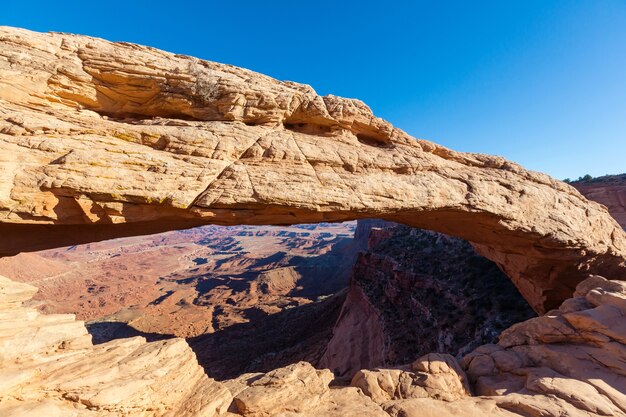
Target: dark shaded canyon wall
{"points": [[415, 292]]}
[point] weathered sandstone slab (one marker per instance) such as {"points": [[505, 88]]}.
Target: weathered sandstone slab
{"points": [[569, 362], [437, 376], [101, 139], [49, 367]]}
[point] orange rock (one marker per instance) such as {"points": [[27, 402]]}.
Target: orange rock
{"points": [[610, 191], [101, 139]]}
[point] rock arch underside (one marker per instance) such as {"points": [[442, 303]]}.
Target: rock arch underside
{"points": [[101, 140]]}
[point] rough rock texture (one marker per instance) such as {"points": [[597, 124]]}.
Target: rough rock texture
{"points": [[298, 390], [99, 139], [295, 388], [609, 190], [431, 376], [414, 292], [49, 367], [571, 362], [575, 356]]}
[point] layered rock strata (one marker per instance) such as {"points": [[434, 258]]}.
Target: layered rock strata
{"points": [[101, 140], [49, 367]]}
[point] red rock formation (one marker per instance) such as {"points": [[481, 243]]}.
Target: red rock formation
{"points": [[101, 140], [358, 337], [609, 190], [415, 292]]}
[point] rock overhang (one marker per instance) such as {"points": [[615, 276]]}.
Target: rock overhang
{"points": [[101, 140]]}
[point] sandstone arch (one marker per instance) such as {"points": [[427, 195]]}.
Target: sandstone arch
{"points": [[99, 140]]}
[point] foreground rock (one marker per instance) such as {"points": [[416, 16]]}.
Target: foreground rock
{"points": [[571, 362], [298, 390], [49, 367], [101, 140]]}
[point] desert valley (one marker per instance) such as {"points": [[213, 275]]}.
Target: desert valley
{"points": [[188, 238]]}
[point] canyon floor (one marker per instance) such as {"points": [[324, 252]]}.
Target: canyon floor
{"points": [[253, 298], [198, 282]]}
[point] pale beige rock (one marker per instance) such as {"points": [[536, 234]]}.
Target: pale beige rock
{"points": [[13, 294], [569, 362], [427, 407], [48, 367], [435, 375], [346, 402], [296, 388], [99, 139]]}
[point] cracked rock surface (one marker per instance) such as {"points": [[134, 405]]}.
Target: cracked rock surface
{"points": [[570, 362], [101, 140]]}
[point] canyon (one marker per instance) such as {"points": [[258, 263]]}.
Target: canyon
{"points": [[102, 140], [188, 283]]}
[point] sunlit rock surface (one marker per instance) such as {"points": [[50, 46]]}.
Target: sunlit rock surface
{"points": [[609, 190], [49, 367], [101, 139]]}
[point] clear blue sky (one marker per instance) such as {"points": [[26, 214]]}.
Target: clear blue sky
{"points": [[541, 82]]}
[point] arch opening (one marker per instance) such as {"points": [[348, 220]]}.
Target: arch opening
{"points": [[255, 298], [228, 146]]}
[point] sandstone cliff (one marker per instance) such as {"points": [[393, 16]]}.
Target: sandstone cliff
{"points": [[609, 190]]}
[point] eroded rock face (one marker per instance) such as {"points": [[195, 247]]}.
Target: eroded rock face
{"points": [[576, 356], [435, 375], [570, 362], [49, 367], [609, 190], [417, 291], [99, 140]]}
